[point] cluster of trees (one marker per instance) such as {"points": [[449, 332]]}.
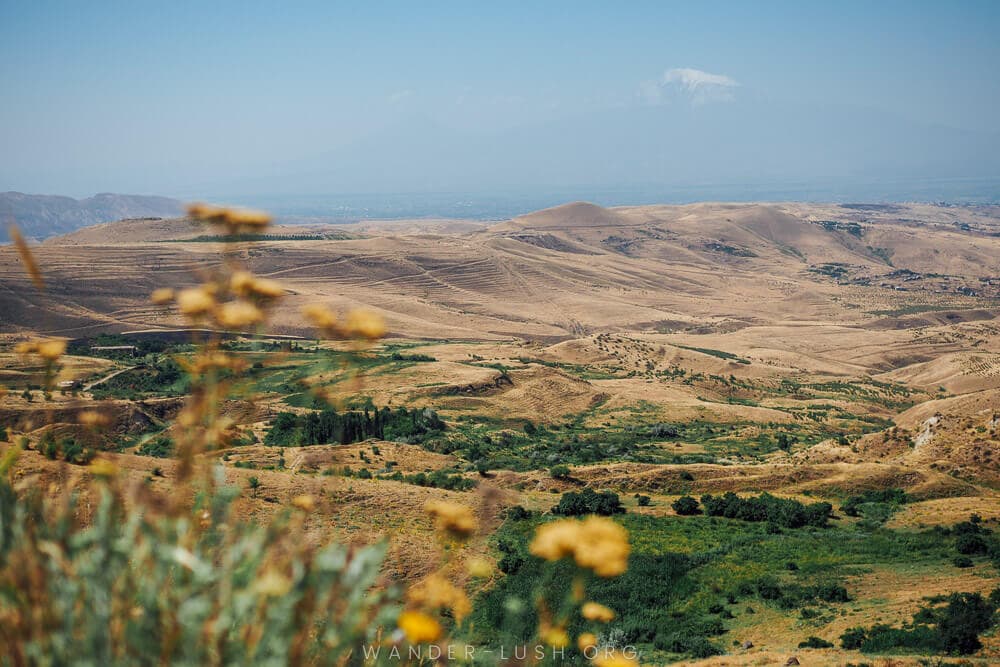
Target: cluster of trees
{"points": [[159, 377], [161, 447], [144, 345], [765, 507], [953, 628], [330, 426], [399, 356], [69, 449], [588, 501], [439, 479]]}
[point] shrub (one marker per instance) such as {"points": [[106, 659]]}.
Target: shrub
{"points": [[815, 642], [962, 561], [643, 501], [518, 513], [560, 471], [161, 447], [854, 505], [853, 638], [685, 506], [971, 544], [589, 501]]}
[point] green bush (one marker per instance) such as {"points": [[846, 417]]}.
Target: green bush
{"points": [[815, 642], [589, 501], [853, 505], [161, 447], [686, 506], [560, 471]]}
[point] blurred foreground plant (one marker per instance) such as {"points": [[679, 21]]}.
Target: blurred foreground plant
{"points": [[104, 572]]}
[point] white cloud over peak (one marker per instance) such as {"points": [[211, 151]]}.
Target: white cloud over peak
{"points": [[694, 79], [697, 86]]}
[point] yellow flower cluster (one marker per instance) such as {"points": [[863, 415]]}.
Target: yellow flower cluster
{"points": [[596, 543], [212, 360], [436, 592], [254, 295], [361, 323], [419, 627], [247, 285], [555, 636], [452, 518], [612, 659], [235, 220], [305, 502], [93, 418], [593, 611], [49, 350]]}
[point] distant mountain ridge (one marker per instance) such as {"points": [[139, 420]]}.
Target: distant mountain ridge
{"points": [[41, 216]]}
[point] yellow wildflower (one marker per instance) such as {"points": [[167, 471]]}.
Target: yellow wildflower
{"points": [[162, 296], [30, 265], [436, 592], [50, 350], [365, 324], [103, 468], [452, 518], [242, 217], [305, 502], [245, 284], [321, 316], [273, 584], [26, 347], [593, 611], [586, 641], [480, 568], [267, 288], [556, 540], [612, 659], [205, 212], [238, 314], [92, 418], [418, 627], [596, 543], [554, 636], [241, 281], [195, 301], [603, 547]]}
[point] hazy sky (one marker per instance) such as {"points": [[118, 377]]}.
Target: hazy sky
{"points": [[182, 98]]}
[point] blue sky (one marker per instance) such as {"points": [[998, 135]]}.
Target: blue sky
{"points": [[180, 98]]}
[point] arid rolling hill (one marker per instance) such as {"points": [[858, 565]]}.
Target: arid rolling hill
{"points": [[564, 272], [41, 216]]}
